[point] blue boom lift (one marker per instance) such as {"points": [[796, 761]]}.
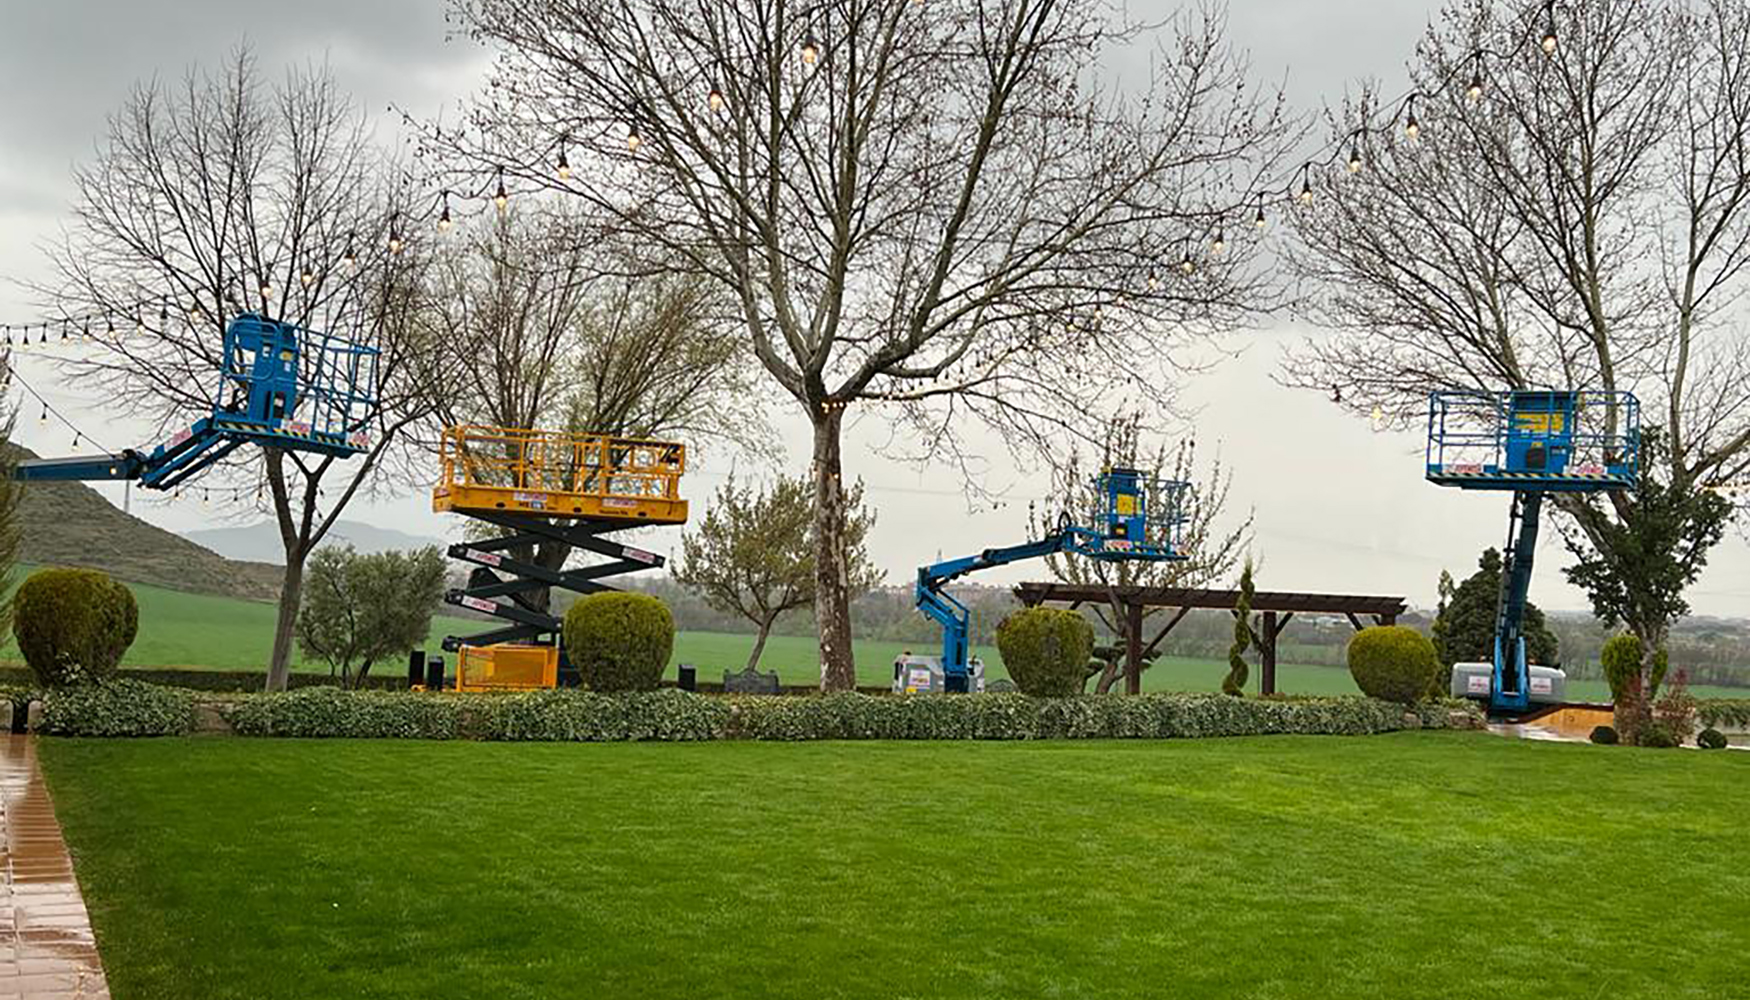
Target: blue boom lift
{"points": [[1530, 442], [1139, 519], [280, 387]]}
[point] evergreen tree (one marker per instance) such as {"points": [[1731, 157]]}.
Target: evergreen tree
{"points": [[1235, 682], [1464, 630]]}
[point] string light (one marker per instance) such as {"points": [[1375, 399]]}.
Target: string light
{"points": [[501, 198], [352, 258], [1355, 159], [810, 51], [395, 233], [1154, 283], [444, 218], [1549, 41], [1220, 244], [1475, 90], [564, 164], [266, 287], [716, 99], [44, 419], [1187, 265], [633, 139], [1306, 192], [1259, 223], [308, 276]]}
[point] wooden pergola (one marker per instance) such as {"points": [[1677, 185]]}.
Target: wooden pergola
{"points": [[1277, 607]]}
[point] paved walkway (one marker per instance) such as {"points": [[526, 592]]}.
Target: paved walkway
{"points": [[47, 951]]}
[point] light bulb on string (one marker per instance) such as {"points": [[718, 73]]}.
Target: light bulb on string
{"points": [[63, 331], [1220, 244], [266, 287], [564, 165], [76, 437], [1355, 159], [810, 51], [85, 332], [1306, 191], [501, 198], [1260, 222], [1549, 41], [1187, 265], [44, 419], [352, 258], [633, 139], [1412, 127], [444, 222], [1475, 90], [715, 99], [1154, 283], [307, 276]]}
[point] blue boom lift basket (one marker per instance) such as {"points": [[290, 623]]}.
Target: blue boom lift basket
{"points": [[1560, 441], [280, 386]]}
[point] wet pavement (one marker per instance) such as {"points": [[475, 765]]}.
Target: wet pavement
{"points": [[47, 951]]}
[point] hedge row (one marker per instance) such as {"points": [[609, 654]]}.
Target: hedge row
{"points": [[679, 716], [1729, 712], [114, 708]]}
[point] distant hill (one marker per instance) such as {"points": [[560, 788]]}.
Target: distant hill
{"points": [[261, 542], [71, 524]]}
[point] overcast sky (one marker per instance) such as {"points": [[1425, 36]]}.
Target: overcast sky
{"points": [[1339, 507]]}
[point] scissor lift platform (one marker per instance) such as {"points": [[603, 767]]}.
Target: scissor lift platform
{"points": [[549, 474], [541, 487]]}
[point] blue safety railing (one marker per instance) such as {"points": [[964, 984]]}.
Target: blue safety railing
{"points": [[1550, 440]]}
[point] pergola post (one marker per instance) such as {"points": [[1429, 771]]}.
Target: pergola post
{"points": [[1267, 655], [1133, 647]]}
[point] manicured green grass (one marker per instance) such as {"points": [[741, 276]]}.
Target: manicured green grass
{"points": [[1416, 865]]}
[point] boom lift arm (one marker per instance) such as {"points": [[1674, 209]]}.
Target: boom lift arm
{"points": [[1126, 523]]}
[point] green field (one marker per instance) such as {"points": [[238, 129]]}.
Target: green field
{"points": [[200, 631], [1428, 865]]}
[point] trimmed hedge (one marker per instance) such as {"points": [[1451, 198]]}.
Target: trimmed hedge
{"points": [[1393, 663], [73, 625], [680, 716], [334, 712], [619, 641], [116, 708], [1046, 650]]}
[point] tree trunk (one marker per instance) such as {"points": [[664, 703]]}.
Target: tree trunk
{"points": [[759, 644], [291, 593], [832, 599]]}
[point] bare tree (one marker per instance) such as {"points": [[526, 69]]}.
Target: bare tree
{"points": [[224, 194], [1563, 204], [1211, 541], [527, 331], [930, 210]]}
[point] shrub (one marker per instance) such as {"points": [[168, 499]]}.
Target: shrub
{"points": [[1604, 735], [1393, 663], [1676, 707], [1046, 650], [680, 715], [73, 625], [117, 708], [619, 641], [1658, 734], [560, 716], [1621, 658], [1710, 739], [1724, 712], [332, 712]]}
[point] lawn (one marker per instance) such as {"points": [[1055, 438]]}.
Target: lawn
{"points": [[1432, 865]]}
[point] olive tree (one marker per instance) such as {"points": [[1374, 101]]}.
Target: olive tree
{"points": [[360, 609]]}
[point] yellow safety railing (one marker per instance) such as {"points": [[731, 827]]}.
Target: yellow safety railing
{"points": [[552, 470]]}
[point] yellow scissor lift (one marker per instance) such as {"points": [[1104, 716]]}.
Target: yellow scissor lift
{"points": [[545, 486]]}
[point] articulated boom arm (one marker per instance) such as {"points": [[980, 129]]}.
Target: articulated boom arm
{"points": [[953, 616], [266, 399]]}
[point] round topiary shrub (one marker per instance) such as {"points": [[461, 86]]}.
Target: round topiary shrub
{"points": [[1604, 735], [619, 641], [1393, 663], [73, 625], [1710, 739], [1046, 650]]}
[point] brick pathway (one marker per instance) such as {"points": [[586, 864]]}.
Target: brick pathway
{"points": [[47, 951]]}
